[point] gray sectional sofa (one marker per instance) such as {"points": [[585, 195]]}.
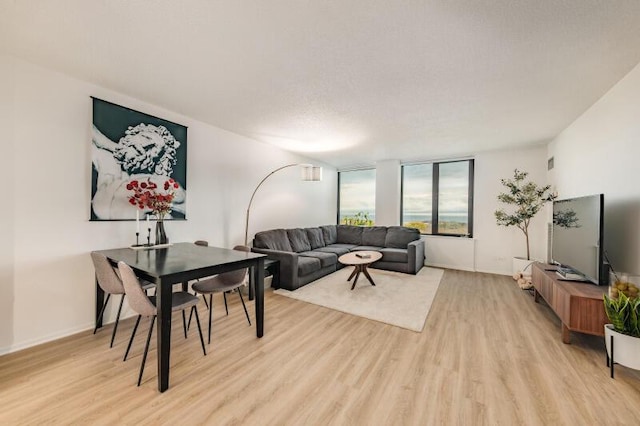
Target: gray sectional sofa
{"points": [[306, 254]]}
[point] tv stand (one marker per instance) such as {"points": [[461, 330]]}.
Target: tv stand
{"points": [[579, 306]]}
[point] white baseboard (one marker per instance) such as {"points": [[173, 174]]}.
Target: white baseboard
{"points": [[45, 339], [445, 266]]}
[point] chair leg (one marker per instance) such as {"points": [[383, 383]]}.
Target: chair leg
{"points": [[146, 349], [104, 305], [184, 323], [115, 327], [244, 306], [133, 334], [210, 313], [205, 301], [204, 297], [193, 309], [225, 302]]}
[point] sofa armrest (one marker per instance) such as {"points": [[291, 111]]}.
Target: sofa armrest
{"points": [[416, 255], [288, 266]]}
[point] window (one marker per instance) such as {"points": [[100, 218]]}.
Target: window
{"points": [[437, 198], [357, 197]]}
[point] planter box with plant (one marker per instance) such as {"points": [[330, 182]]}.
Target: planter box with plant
{"points": [[622, 336], [525, 199]]}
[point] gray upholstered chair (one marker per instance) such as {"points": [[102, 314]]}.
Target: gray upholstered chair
{"points": [[202, 243], [145, 306], [110, 282], [223, 283]]}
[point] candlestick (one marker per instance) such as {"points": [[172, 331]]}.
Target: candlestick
{"points": [[137, 240], [149, 235], [137, 222]]}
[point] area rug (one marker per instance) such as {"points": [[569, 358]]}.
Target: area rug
{"points": [[398, 299]]}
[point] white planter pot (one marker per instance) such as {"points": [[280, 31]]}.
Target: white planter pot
{"points": [[626, 349], [521, 264]]}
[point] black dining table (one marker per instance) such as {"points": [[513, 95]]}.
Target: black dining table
{"points": [[179, 263]]}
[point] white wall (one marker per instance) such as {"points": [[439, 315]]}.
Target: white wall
{"points": [[492, 247], [388, 181], [497, 245], [50, 278], [7, 217], [600, 153]]}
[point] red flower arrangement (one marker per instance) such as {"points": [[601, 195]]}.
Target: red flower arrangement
{"points": [[146, 195]]}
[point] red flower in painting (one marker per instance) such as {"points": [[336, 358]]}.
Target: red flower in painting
{"points": [[146, 195]]}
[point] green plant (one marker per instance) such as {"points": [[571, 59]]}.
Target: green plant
{"points": [[527, 198], [624, 313], [359, 219]]}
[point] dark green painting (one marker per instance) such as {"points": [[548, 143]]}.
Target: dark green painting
{"points": [[126, 146]]}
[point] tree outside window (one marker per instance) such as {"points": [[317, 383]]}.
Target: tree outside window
{"points": [[357, 197]]}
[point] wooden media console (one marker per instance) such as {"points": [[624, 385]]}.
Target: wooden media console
{"points": [[579, 305]]}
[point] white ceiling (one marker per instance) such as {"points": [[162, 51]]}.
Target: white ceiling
{"points": [[345, 81]]}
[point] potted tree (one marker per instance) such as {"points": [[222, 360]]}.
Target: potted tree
{"points": [[622, 336], [525, 199]]}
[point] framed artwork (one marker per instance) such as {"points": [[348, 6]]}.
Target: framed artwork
{"points": [[128, 145]]}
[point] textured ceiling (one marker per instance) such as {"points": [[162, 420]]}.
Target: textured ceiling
{"points": [[345, 81]]}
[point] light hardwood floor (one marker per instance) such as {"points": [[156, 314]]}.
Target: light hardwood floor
{"points": [[487, 355]]}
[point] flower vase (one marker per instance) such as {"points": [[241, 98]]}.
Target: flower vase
{"points": [[161, 236]]}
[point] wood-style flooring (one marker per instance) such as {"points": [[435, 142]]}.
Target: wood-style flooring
{"points": [[487, 355]]}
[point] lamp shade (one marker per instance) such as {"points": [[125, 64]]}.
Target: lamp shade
{"points": [[309, 172]]}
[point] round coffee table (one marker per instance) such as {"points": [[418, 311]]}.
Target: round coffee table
{"points": [[360, 260]]}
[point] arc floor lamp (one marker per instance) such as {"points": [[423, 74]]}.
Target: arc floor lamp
{"points": [[308, 172]]}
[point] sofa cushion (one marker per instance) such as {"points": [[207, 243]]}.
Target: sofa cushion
{"points": [[275, 239], [394, 255], [366, 248], [374, 236], [329, 234], [307, 265], [349, 234], [400, 236], [326, 258], [298, 239], [315, 237], [337, 249]]}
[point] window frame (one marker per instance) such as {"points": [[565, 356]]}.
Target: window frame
{"points": [[435, 184], [339, 181]]}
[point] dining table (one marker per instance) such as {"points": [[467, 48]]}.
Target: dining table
{"points": [[178, 264]]}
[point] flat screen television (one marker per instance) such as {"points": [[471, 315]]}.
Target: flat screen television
{"points": [[577, 242]]}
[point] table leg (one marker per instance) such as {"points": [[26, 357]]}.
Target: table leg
{"points": [[99, 303], [366, 274], [259, 296], [252, 283], [353, 273], [163, 302], [355, 280]]}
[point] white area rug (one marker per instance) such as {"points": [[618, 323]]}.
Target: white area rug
{"points": [[398, 299]]}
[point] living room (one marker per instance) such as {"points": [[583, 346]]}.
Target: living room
{"points": [[583, 61]]}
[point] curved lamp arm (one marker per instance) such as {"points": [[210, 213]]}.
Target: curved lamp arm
{"points": [[313, 177]]}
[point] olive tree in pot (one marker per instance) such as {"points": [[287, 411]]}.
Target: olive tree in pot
{"points": [[525, 199], [622, 336]]}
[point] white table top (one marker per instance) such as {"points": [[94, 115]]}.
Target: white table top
{"points": [[352, 258]]}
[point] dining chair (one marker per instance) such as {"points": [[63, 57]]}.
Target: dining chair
{"points": [[202, 243], [109, 281], [223, 283], [145, 306]]}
